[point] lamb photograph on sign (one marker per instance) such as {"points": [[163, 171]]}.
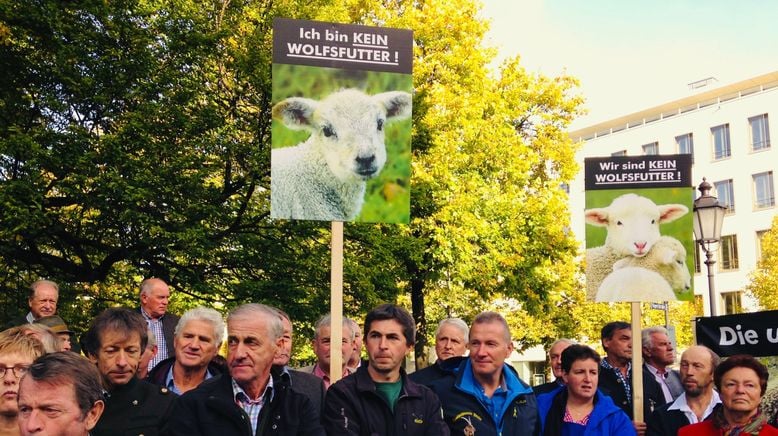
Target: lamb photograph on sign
{"points": [[638, 247], [341, 147]]}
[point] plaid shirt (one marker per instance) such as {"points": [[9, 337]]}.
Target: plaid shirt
{"points": [[155, 325], [623, 380], [252, 407]]}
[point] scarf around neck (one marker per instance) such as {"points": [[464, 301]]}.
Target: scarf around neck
{"points": [[752, 427]]}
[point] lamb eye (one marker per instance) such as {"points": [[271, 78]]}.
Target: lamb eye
{"points": [[618, 223], [327, 131], [653, 221], [380, 125]]}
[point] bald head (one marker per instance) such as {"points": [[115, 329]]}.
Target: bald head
{"points": [[697, 366]]}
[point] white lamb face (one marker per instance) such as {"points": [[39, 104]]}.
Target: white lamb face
{"points": [[633, 222], [347, 127], [350, 128]]}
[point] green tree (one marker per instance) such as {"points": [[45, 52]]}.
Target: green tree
{"points": [[764, 280]]}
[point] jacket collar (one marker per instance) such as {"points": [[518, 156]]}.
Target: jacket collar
{"points": [[467, 383], [366, 384]]}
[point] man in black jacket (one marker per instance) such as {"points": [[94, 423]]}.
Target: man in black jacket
{"points": [[114, 343], [450, 341], [379, 399], [154, 299], [247, 401]]}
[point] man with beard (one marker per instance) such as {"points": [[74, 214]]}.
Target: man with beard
{"points": [[698, 400]]}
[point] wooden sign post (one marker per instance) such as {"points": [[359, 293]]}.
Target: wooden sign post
{"points": [[336, 303], [637, 364]]}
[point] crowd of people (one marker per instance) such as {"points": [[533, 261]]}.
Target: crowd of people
{"points": [[145, 371]]}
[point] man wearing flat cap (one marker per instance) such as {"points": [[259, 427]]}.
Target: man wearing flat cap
{"points": [[58, 326]]}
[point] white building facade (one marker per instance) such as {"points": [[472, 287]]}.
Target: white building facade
{"points": [[727, 130]]}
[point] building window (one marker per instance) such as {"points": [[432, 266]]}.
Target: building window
{"points": [[619, 153], [726, 194], [764, 195], [728, 259], [720, 136], [685, 144], [760, 132], [759, 235], [651, 149], [732, 302], [697, 267]]}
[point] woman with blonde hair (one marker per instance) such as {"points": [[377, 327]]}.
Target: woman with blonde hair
{"points": [[17, 352]]}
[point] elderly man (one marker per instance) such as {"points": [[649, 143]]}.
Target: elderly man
{"points": [[154, 298], [59, 328], [247, 401], [148, 353], [487, 396], [42, 300], [555, 360], [450, 341], [115, 342], [355, 359], [60, 395], [379, 399], [303, 382], [198, 337], [699, 399], [661, 385], [321, 348]]}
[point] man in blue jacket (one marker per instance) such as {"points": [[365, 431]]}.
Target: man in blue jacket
{"points": [[487, 397]]}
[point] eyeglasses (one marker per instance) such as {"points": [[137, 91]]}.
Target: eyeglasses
{"points": [[18, 370]]}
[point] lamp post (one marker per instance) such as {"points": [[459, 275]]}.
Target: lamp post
{"points": [[708, 218]]}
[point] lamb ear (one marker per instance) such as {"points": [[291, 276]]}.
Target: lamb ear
{"points": [[295, 112], [597, 217], [397, 104], [619, 264], [671, 212]]}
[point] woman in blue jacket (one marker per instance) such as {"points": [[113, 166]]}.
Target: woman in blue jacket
{"points": [[578, 408]]}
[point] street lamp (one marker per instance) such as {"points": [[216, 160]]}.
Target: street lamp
{"points": [[708, 218]]}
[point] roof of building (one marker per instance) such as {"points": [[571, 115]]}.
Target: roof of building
{"points": [[733, 91]]}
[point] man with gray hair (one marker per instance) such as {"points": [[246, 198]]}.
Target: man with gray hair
{"points": [[148, 353], [450, 342], [63, 382], [321, 347], [699, 399], [555, 360], [661, 385], [42, 300], [198, 337], [487, 396], [154, 299], [247, 400]]}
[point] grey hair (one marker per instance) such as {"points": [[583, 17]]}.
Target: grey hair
{"points": [[252, 310], [326, 320], [561, 341], [487, 317], [204, 314], [645, 335], [36, 283], [454, 322], [146, 285]]}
